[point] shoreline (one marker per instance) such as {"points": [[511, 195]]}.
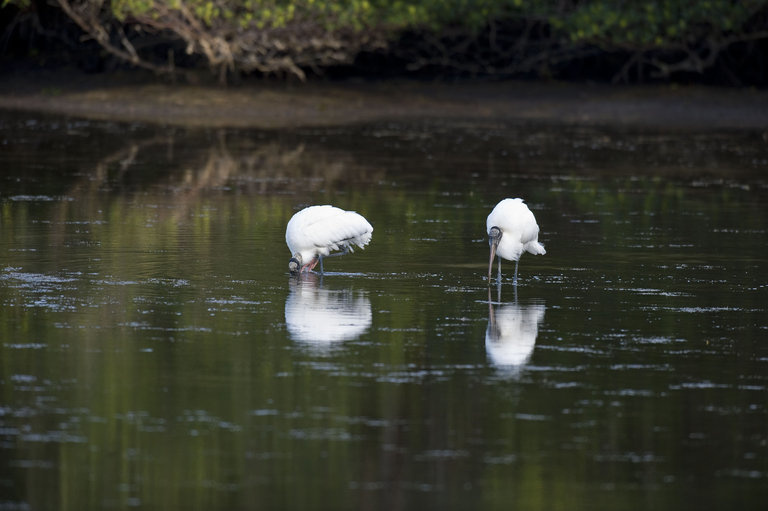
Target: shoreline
{"points": [[274, 105]]}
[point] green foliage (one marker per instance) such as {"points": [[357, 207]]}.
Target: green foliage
{"points": [[334, 14], [286, 36], [616, 22], [619, 22], [653, 23], [267, 14], [18, 3]]}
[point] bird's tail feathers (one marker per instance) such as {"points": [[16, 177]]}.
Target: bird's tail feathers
{"points": [[535, 248], [363, 239], [350, 243]]}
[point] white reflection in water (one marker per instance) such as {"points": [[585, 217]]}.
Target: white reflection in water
{"points": [[511, 333], [325, 316]]}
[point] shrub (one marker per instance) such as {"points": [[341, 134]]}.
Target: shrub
{"points": [[658, 37]]}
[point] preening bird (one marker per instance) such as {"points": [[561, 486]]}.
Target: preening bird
{"points": [[314, 232], [512, 230]]}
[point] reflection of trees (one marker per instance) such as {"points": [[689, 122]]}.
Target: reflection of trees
{"points": [[190, 165]]}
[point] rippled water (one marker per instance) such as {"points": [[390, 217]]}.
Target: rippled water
{"points": [[155, 353]]}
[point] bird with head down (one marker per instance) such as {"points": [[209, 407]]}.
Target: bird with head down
{"points": [[316, 231]]}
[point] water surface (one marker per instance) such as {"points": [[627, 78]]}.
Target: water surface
{"points": [[155, 353]]}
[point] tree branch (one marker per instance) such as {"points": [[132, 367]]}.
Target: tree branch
{"points": [[94, 28]]}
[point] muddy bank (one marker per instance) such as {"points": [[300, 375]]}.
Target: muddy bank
{"points": [[275, 105]]}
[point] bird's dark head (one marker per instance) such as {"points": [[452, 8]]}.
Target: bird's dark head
{"points": [[494, 235], [294, 264]]}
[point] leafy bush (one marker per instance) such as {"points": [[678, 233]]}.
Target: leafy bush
{"points": [[477, 36]]}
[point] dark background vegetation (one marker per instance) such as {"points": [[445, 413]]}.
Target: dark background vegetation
{"points": [[723, 42]]}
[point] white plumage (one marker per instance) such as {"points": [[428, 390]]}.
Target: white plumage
{"points": [[314, 232], [512, 230]]}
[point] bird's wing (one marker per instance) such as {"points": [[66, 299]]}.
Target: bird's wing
{"points": [[529, 230], [335, 229]]}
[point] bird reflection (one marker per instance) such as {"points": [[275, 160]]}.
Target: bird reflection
{"points": [[322, 317], [511, 333]]}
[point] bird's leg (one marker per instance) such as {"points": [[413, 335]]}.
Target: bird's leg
{"points": [[309, 266], [514, 282], [498, 277], [345, 251]]}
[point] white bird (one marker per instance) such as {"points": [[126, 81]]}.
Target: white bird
{"points": [[512, 230], [314, 232]]}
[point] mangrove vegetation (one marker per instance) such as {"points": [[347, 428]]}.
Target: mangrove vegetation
{"points": [[721, 41]]}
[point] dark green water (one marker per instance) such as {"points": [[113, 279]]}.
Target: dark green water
{"points": [[155, 353]]}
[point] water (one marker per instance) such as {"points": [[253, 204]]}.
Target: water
{"points": [[155, 353]]}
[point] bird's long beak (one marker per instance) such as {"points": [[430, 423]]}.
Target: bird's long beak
{"points": [[494, 243]]}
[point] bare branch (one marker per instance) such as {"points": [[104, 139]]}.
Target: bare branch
{"points": [[93, 27]]}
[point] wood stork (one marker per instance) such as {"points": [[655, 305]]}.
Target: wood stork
{"points": [[512, 230], [314, 232]]}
